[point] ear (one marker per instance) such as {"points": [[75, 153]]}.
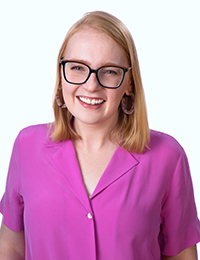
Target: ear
{"points": [[129, 89]]}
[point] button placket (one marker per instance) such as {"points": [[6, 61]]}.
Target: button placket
{"points": [[89, 215]]}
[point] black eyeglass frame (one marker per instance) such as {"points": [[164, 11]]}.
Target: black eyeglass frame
{"points": [[63, 62]]}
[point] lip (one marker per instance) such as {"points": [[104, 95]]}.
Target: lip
{"points": [[90, 102]]}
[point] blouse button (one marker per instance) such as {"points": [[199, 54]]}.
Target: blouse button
{"points": [[89, 216]]}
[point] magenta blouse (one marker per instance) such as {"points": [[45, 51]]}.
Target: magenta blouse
{"points": [[142, 207]]}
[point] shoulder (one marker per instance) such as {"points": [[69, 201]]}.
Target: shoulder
{"points": [[164, 145], [163, 156], [162, 139], [34, 134], [30, 140]]}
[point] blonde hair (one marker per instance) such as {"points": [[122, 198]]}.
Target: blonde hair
{"points": [[132, 131]]}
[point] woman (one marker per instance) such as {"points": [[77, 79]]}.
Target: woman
{"points": [[97, 183]]}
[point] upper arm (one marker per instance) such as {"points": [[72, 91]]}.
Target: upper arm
{"points": [[179, 223], [189, 253], [12, 244]]}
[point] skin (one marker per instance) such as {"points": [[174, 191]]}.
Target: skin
{"points": [[12, 244], [94, 49], [187, 254], [93, 123]]}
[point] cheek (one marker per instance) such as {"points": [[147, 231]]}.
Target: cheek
{"points": [[65, 91], [117, 94], [116, 97], [68, 89], [121, 91], [68, 95]]}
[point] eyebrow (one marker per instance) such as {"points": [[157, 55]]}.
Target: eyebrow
{"points": [[88, 64]]}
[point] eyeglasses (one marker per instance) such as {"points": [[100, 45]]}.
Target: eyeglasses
{"points": [[107, 76]]}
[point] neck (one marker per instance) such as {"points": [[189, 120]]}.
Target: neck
{"points": [[94, 137]]}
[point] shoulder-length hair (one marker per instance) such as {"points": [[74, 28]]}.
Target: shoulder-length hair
{"points": [[131, 131]]}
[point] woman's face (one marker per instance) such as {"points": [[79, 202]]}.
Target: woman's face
{"points": [[90, 103]]}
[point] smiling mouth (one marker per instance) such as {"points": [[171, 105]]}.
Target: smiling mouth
{"points": [[91, 101]]}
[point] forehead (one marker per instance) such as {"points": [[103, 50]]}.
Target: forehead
{"points": [[93, 45]]}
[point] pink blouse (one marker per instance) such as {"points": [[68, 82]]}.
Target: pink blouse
{"points": [[142, 207]]}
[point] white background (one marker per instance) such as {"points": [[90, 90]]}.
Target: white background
{"points": [[166, 35]]}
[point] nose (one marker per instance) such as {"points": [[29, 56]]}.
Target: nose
{"points": [[92, 83]]}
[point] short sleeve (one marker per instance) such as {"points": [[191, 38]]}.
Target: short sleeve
{"points": [[180, 227], [11, 205]]}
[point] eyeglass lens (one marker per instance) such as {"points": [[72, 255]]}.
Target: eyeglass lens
{"points": [[108, 76]]}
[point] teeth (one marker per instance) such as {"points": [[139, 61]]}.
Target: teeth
{"points": [[91, 101]]}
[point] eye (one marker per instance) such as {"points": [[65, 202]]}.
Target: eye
{"points": [[78, 68], [111, 71]]}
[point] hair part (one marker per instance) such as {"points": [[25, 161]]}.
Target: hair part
{"points": [[131, 131]]}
